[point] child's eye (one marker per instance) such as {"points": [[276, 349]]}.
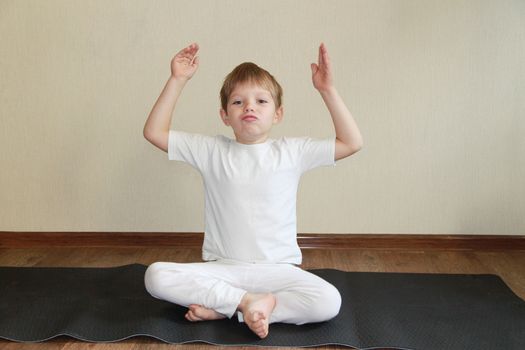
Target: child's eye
{"points": [[263, 101], [236, 102]]}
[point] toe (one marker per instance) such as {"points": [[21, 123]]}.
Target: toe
{"points": [[190, 316]]}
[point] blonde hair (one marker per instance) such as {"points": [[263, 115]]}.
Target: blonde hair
{"points": [[249, 72]]}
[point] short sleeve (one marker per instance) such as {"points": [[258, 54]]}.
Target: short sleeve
{"points": [[193, 149], [316, 152]]}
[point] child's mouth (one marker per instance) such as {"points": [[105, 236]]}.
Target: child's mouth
{"points": [[249, 118]]}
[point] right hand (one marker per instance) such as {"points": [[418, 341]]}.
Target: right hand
{"points": [[185, 63]]}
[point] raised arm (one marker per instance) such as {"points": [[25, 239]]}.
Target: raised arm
{"points": [[348, 137], [183, 66]]}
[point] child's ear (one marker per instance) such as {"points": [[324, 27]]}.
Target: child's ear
{"points": [[224, 117], [279, 113]]}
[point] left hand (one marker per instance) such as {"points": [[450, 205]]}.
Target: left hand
{"points": [[322, 72]]}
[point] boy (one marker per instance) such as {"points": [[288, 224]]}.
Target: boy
{"points": [[250, 244]]}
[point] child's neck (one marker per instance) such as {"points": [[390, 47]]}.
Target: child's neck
{"points": [[254, 141]]}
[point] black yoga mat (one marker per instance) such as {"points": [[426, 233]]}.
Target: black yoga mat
{"points": [[396, 310]]}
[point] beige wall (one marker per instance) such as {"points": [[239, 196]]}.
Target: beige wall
{"points": [[437, 88]]}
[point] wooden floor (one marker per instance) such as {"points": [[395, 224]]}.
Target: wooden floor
{"points": [[509, 264]]}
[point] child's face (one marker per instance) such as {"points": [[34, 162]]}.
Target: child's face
{"points": [[251, 113]]}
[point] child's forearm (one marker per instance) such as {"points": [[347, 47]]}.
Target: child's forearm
{"points": [[158, 123], [346, 129], [183, 66], [348, 138]]}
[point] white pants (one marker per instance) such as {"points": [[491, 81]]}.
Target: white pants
{"points": [[302, 297]]}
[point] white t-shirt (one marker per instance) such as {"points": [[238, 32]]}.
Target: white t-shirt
{"points": [[251, 191]]}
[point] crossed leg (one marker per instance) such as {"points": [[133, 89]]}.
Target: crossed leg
{"points": [[263, 294], [256, 308]]}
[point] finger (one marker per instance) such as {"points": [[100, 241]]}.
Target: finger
{"points": [[326, 57], [320, 59], [185, 50], [323, 55], [193, 48], [188, 52], [314, 67], [195, 61]]}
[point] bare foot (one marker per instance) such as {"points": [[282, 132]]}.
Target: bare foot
{"points": [[200, 313], [256, 310]]}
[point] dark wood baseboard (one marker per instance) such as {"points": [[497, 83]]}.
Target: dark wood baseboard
{"points": [[306, 241]]}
